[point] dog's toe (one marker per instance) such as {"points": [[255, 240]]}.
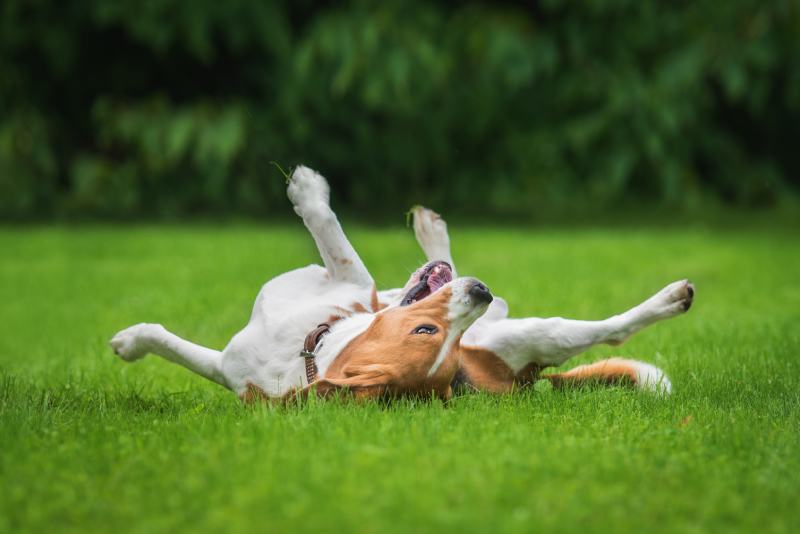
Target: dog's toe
{"points": [[675, 299], [689, 297], [129, 344], [429, 227], [424, 217], [680, 296], [307, 188]]}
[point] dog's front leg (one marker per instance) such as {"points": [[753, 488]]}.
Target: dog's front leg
{"points": [[310, 194], [137, 341]]}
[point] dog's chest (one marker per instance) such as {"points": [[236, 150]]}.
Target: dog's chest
{"points": [[266, 352], [293, 304]]}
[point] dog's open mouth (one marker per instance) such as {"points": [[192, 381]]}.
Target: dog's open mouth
{"points": [[427, 280]]}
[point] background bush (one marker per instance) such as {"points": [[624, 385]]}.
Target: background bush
{"points": [[169, 108]]}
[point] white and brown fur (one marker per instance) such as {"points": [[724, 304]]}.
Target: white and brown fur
{"points": [[378, 347]]}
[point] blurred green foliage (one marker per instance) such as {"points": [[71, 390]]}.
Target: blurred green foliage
{"points": [[163, 107]]}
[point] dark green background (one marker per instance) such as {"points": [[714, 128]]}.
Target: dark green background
{"points": [[141, 108]]}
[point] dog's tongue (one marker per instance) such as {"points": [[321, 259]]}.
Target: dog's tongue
{"points": [[429, 284]]}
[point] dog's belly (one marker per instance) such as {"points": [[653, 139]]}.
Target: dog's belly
{"points": [[266, 353]]}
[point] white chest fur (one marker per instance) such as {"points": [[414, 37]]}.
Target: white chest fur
{"points": [[266, 353]]}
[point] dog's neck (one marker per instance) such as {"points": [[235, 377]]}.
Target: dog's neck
{"points": [[342, 333]]}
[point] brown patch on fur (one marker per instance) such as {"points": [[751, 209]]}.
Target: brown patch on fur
{"points": [[611, 371], [345, 261], [484, 370], [253, 394], [355, 307], [343, 311], [374, 303], [359, 308], [389, 360]]}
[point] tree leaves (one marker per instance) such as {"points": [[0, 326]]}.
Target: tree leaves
{"points": [[491, 107]]}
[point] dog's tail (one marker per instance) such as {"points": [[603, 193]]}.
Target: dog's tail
{"points": [[615, 371]]}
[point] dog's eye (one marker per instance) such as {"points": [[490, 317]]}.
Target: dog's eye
{"points": [[425, 329]]}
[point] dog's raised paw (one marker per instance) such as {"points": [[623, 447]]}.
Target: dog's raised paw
{"points": [[307, 189], [431, 232], [429, 225], [131, 344], [676, 298]]}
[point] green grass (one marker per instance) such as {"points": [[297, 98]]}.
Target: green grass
{"points": [[91, 443]]}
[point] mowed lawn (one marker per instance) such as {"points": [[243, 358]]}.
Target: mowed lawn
{"points": [[90, 443]]}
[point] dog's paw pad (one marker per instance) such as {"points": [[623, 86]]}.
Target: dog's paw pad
{"points": [[307, 188], [677, 297], [130, 344], [685, 295]]}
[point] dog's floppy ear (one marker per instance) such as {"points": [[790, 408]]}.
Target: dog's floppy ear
{"points": [[363, 381]]}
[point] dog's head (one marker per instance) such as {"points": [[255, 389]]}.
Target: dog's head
{"points": [[413, 347]]}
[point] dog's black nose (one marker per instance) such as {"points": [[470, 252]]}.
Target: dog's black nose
{"points": [[481, 293]]}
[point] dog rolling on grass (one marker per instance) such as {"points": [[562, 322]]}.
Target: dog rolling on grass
{"points": [[322, 329]]}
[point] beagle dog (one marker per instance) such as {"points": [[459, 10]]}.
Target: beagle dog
{"points": [[320, 329]]}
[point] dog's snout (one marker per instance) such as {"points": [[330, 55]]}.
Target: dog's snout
{"points": [[480, 293]]}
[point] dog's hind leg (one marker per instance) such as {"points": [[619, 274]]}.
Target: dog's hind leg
{"points": [[516, 349], [431, 233], [310, 194], [137, 341]]}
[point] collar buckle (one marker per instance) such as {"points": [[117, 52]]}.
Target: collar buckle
{"points": [[309, 350]]}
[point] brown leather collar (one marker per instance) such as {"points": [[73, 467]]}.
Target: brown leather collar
{"points": [[310, 344]]}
